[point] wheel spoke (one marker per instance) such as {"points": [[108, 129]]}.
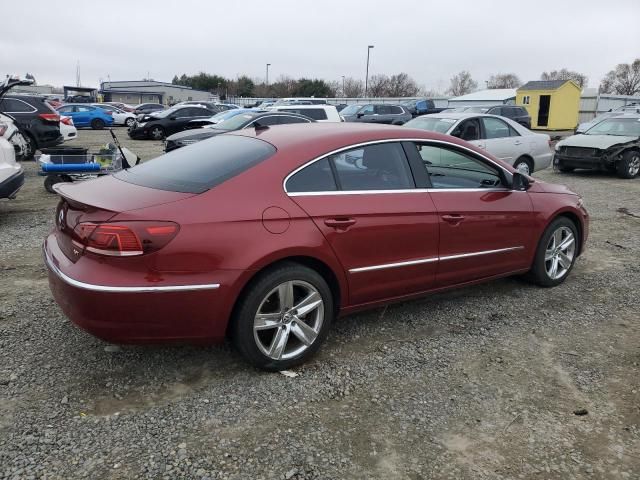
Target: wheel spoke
{"points": [[554, 268], [566, 243], [557, 238], [548, 255], [304, 332], [278, 343], [285, 296], [265, 321], [309, 303], [564, 260]]}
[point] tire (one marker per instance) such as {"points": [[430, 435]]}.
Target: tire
{"points": [[265, 295], [156, 133], [51, 180], [129, 122], [30, 148], [523, 165], [97, 124], [558, 233], [629, 166]]}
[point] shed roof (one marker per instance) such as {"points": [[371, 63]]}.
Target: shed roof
{"points": [[491, 94], [543, 85]]}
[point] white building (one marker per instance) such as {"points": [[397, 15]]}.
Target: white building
{"points": [[492, 96], [143, 91]]}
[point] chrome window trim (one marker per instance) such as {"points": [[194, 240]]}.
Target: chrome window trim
{"points": [[391, 140], [106, 288], [432, 259], [404, 190]]}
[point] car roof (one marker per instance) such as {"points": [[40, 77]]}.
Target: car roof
{"points": [[302, 107], [457, 115]]}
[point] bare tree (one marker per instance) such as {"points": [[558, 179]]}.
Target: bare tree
{"points": [[401, 85], [504, 80], [335, 87], [353, 88], [378, 85], [564, 74], [462, 83], [623, 80]]}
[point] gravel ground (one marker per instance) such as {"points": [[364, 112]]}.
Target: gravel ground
{"points": [[479, 383]]}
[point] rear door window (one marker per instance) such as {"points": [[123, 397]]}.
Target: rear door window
{"points": [[317, 177], [13, 105], [200, 167], [495, 128]]}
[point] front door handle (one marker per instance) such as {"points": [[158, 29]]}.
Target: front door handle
{"points": [[517, 142], [342, 222], [453, 219]]}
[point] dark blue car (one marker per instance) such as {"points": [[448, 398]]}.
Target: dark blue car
{"points": [[87, 116]]}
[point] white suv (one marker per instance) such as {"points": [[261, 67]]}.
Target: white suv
{"points": [[319, 113]]}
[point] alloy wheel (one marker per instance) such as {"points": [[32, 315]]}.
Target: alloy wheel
{"points": [[523, 167], [559, 253], [634, 165], [157, 133], [288, 320]]}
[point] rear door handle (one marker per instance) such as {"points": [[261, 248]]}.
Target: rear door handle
{"points": [[342, 222], [454, 218]]}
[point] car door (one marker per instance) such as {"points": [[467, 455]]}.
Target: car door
{"points": [[366, 114], [179, 120], [83, 114], [485, 226], [501, 140], [383, 230]]}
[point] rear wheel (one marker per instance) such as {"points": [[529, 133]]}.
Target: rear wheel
{"points": [[556, 253], [30, 147], [129, 122], [629, 166], [97, 124], [524, 165], [283, 317], [157, 133]]}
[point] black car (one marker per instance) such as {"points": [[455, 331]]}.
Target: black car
{"points": [[376, 113], [421, 106], [147, 108], [167, 122], [514, 112], [36, 119], [238, 122]]}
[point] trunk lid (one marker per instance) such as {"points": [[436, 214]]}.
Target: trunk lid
{"points": [[98, 201]]}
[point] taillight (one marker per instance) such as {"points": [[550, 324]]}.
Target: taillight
{"points": [[50, 117], [122, 239], [67, 121], [3, 128], [108, 112]]}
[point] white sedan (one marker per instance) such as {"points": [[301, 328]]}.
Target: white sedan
{"points": [[501, 137], [67, 128], [120, 117]]}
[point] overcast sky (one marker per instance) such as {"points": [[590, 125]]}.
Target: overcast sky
{"points": [[431, 41]]}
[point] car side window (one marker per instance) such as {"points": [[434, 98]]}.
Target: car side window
{"points": [[285, 119], [66, 109], [468, 130], [395, 110], [382, 166], [317, 177], [449, 168], [367, 110], [82, 108], [495, 128], [265, 122], [12, 105]]}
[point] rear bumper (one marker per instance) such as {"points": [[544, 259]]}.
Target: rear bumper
{"points": [[143, 313], [9, 187]]}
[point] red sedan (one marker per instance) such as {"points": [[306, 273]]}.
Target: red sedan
{"points": [[268, 234]]}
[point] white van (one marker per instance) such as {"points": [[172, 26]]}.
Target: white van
{"points": [[319, 113]]}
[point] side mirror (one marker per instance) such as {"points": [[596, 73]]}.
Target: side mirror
{"points": [[360, 115], [520, 182], [172, 118]]}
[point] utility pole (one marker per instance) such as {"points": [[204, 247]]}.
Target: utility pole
{"points": [[366, 78]]}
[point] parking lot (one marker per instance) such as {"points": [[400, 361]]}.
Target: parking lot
{"points": [[499, 381]]}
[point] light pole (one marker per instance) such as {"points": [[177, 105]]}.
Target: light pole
{"points": [[343, 94], [366, 79], [267, 80]]}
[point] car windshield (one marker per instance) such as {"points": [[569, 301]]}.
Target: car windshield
{"points": [[625, 127], [235, 122], [432, 124], [222, 116], [477, 109], [350, 110]]}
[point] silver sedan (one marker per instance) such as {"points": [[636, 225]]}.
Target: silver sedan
{"points": [[503, 138]]}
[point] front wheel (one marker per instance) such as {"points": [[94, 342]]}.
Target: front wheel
{"points": [[524, 166], [283, 317], [629, 166], [556, 253], [129, 122], [157, 133]]}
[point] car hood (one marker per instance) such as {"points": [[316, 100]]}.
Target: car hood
{"points": [[595, 141], [195, 134], [538, 186]]}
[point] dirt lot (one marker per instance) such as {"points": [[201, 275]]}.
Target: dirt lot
{"points": [[480, 383]]}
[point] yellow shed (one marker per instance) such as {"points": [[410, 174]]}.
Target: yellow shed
{"points": [[552, 104]]}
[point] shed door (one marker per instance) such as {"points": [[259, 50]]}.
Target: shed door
{"points": [[543, 110]]}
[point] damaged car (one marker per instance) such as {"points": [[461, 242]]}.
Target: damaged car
{"points": [[612, 145]]}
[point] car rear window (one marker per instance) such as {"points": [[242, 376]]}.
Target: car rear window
{"points": [[201, 166]]}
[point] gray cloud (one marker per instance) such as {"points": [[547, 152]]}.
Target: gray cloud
{"points": [[431, 41]]}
